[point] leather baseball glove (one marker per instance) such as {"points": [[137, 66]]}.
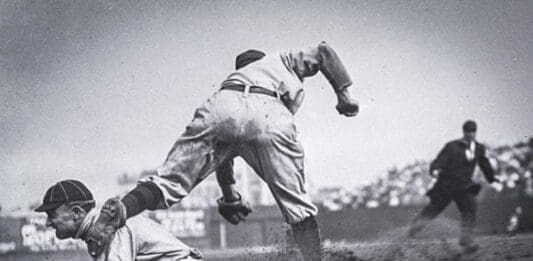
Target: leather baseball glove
{"points": [[100, 234], [235, 211]]}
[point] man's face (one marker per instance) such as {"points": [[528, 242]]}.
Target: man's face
{"points": [[470, 135], [65, 220]]}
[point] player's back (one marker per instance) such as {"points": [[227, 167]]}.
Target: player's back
{"points": [[144, 239]]}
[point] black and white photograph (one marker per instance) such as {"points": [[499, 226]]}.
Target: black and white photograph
{"points": [[266, 130]]}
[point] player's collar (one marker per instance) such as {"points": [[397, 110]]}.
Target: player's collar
{"points": [[465, 142]]}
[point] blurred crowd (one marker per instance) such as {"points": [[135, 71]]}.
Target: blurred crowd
{"points": [[514, 165], [408, 185], [403, 186]]}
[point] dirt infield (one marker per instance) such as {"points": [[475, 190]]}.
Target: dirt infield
{"points": [[497, 247], [438, 241]]}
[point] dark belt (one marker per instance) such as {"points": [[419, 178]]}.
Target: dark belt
{"points": [[253, 89]]}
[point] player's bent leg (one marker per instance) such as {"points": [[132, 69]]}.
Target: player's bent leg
{"points": [[466, 203], [195, 155], [278, 158], [190, 160], [281, 167], [298, 210], [437, 204]]}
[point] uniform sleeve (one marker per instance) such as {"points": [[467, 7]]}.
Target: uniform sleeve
{"points": [[332, 68], [307, 62], [442, 159], [484, 165], [122, 248]]}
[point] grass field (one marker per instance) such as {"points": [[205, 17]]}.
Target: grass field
{"points": [[494, 247]]}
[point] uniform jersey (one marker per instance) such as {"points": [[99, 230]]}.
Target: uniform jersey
{"points": [[141, 239], [284, 73]]}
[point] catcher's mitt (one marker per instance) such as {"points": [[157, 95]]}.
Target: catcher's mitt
{"points": [[101, 233], [235, 211]]}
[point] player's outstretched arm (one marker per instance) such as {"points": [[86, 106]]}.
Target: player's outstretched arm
{"points": [[486, 167], [322, 57], [442, 160], [335, 72], [226, 181], [231, 206]]}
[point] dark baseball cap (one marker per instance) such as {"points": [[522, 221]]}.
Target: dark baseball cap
{"points": [[248, 57], [65, 191], [470, 126]]}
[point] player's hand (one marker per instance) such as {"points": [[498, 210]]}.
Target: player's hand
{"points": [[435, 173], [234, 211], [348, 109], [100, 234], [496, 184], [346, 105]]}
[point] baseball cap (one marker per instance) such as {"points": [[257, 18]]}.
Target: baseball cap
{"points": [[248, 57], [64, 192], [469, 126]]}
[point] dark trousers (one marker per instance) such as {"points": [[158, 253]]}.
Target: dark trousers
{"points": [[466, 203]]}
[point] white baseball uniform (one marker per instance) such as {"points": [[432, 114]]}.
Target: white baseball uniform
{"points": [[257, 127], [141, 239]]}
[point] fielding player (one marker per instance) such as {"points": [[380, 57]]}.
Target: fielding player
{"points": [[71, 210], [454, 167], [251, 116]]}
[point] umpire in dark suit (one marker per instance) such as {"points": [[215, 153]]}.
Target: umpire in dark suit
{"points": [[454, 168]]}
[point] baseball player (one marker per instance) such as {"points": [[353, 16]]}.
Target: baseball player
{"points": [[71, 210], [251, 116], [454, 167]]}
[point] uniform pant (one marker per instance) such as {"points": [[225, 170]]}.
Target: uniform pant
{"points": [[256, 127], [466, 203]]}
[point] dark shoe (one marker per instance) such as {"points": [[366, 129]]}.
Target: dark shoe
{"points": [[413, 230], [410, 234], [100, 234]]}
